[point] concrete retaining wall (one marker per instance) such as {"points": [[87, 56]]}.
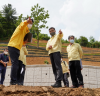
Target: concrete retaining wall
{"points": [[42, 75]]}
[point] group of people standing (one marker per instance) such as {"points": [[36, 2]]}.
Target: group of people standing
{"points": [[74, 51], [17, 52]]}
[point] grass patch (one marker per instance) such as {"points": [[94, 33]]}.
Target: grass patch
{"points": [[2, 45], [64, 46], [36, 44], [91, 54]]}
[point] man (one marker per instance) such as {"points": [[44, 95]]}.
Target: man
{"points": [[74, 55], [54, 48], [3, 64], [14, 46], [65, 72]]}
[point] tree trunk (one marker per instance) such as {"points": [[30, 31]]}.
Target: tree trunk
{"points": [[37, 40]]}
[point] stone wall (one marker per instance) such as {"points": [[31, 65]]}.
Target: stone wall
{"points": [[42, 75]]}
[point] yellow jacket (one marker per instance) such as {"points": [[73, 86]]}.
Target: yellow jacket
{"points": [[74, 52], [18, 35], [64, 66], [55, 42], [23, 53]]}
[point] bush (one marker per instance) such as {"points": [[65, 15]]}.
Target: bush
{"points": [[64, 41], [43, 37], [83, 41], [46, 62]]}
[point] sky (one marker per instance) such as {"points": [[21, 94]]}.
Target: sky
{"points": [[73, 17]]}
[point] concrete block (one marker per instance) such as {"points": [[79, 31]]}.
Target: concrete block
{"points": [[45, 80], [86, 85], [29, 76], [37, 84], [92, 70], [93, 86], [44, 84], [92, 79], [93, 82], [45, 75], [30, 80], [51, 80], [36, 80], [98, 85]]}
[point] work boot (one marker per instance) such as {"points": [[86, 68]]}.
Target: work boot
{"points": [[13, 83], [20, 84], [65, 85], [56, 85]]}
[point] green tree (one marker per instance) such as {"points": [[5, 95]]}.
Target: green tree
{"points": [[64, 41], [9, 13], [43, 37], [3, 26], [96, 44], [76, 40], [40, 16], [83, 41], [92, 39], [19, 20]]}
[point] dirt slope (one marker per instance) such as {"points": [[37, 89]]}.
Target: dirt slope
{"points": [[16, 90]]}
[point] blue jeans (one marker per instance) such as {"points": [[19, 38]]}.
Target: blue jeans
{"points": [[2, 72]]}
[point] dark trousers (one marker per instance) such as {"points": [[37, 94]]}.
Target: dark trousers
{"points": [[65, 80], [75, 71], [21, 73], [14, 55], [2, 72], [56, 66]]}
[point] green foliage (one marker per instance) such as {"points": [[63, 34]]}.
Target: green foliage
{"points": [[43, 37], [83, 41], [64, 41], [19, 20], [7, 21], [92, 39], [46, 62], [40, 16], [76, 40], [96, 44]]}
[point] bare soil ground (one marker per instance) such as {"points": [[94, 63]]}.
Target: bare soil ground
{"points": [[16, 90], [40, 60]]}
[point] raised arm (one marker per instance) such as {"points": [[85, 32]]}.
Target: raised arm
{"points": [[25, 23], [60, 35]]}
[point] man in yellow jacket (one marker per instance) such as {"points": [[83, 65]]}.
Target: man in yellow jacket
{"points": [[22, 64], [75, 52], [14, 46], [54, 48], [65, 72]]}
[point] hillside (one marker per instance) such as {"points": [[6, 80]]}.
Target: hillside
{"points": [[38, 56]]}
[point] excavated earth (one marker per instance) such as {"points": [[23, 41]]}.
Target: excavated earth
{"points": [[16, 90]]}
